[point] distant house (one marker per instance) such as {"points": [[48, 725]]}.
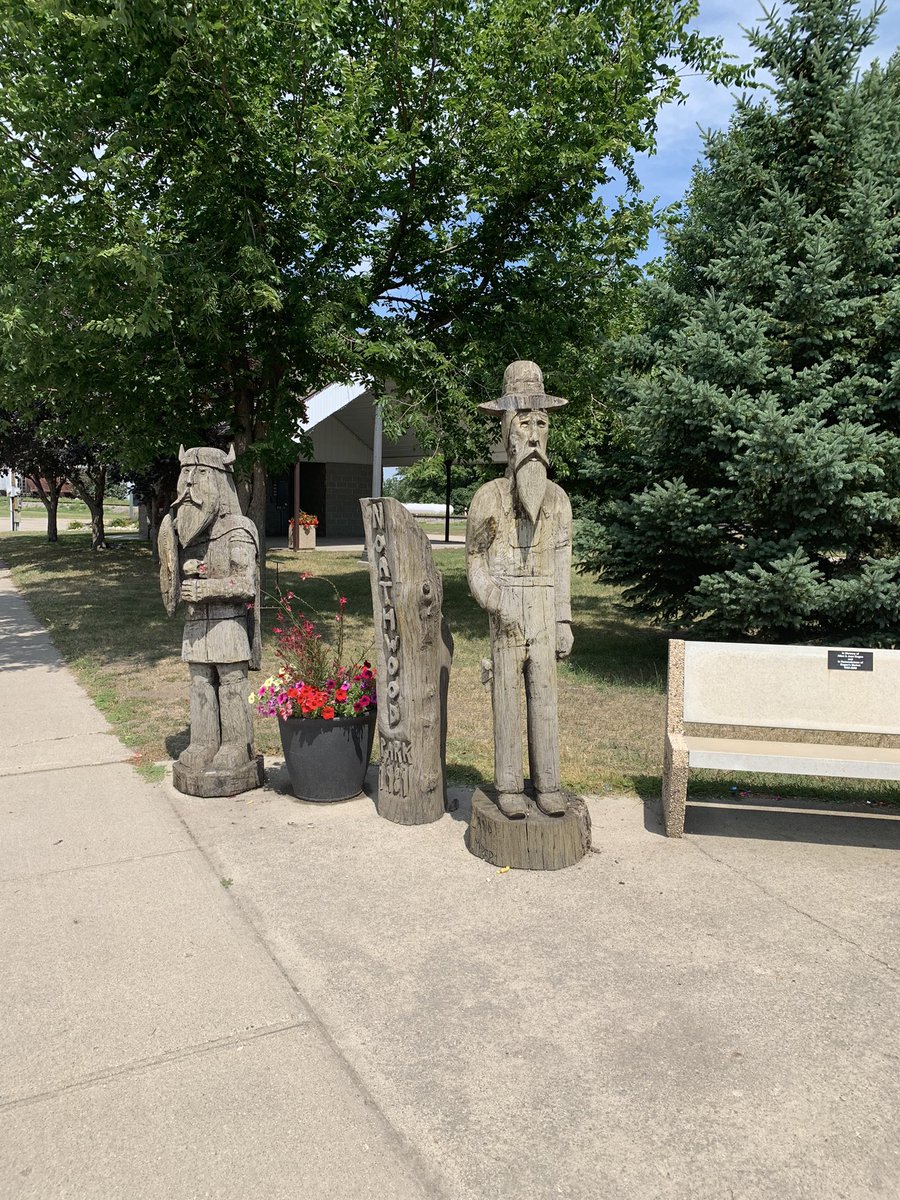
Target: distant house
{"points": [[341, 421], [30, 488], [9, 477]]}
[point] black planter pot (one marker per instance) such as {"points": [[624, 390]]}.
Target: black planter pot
{"points": [[327, 760]]}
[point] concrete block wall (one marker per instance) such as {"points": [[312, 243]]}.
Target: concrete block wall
{"points": [[345, 483]]}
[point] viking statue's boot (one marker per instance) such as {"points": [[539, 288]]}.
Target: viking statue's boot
{"points": [[513, 804], [551, 803], [197, 756], [234, 714], [204, 719]]}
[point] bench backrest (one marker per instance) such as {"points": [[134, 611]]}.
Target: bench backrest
{"points": [[786, 687]]}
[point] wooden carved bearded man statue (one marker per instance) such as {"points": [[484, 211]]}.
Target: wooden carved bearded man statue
{"points": [[209, 558], [518, 559]]}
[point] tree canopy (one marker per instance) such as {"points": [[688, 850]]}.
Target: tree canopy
{"points": [[756, 482], [212, 207]]}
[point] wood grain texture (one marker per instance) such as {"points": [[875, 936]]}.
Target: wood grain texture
{"points": [[210, 782], [534, 843], [414, 651]]}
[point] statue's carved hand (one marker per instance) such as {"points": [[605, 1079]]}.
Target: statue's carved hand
{"points": [[193, 590], [564, 639]]}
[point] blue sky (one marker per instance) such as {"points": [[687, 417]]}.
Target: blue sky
{"points": [[667, 174]]}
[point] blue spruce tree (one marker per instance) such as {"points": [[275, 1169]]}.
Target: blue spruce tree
{"points": [[758, 476]]}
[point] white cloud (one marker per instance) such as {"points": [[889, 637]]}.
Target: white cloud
{"points": [[667, 173]]}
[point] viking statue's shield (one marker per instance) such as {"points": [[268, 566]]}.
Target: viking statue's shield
{"points": [[169, 583]]}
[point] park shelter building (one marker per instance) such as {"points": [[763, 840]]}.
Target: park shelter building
{"points": [[349, 453]]}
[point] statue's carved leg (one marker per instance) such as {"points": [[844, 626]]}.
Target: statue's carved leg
{"points": [[543, 727], [508, 768], [204, 718], [234, 713]]}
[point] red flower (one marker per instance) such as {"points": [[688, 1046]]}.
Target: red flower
{"points": [[328, 712]]}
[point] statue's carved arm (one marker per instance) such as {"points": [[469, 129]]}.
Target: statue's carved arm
{"points": [[238, 584], [562, 592], [481, 533]]}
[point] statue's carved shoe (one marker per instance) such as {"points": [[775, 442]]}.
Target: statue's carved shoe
{"points": [[197, 756], [230, 757], [513, 804], [551, 803]]}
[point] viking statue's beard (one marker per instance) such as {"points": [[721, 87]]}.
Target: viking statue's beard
{"points": [[531, 484], [191, 519]]}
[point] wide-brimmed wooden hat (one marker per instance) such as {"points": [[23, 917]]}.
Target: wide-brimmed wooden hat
{"points": [[523, 390]]}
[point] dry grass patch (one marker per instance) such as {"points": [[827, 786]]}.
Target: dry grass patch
{"points": [[105, 614]]}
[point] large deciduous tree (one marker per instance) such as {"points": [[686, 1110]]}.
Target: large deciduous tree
{"points": [[31, 446], [212, 207], [758, 469]]}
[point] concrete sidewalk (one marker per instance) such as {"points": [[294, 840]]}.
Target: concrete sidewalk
{"points": [[367, 1009], [150, 1046]]}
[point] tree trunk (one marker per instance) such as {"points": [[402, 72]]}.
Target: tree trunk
{"points": [[50, 499], [252, 484], [52, 517], [158, 504], [90, 487], [537, 843]]}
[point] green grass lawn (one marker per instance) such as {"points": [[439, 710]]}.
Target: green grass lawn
{"points": [[77, 510], [105, 614]]}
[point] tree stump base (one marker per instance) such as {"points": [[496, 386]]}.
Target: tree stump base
{"points": [[219, 783], [533, 843]]}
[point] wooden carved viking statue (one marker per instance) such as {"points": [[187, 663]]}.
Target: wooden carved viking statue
{"points": [[209, 558], [518, 557]]}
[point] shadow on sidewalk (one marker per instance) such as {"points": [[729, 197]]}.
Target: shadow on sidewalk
{"points": [[765, 818]]}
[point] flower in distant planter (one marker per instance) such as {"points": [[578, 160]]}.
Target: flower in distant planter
{"points": [[312, 680], [306, 520]]}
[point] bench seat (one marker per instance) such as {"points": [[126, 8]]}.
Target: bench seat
{"points": [[793, 758]]}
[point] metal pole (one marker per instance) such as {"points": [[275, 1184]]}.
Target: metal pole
{"points": [[448, 482], [295, 540], [377, 440]]}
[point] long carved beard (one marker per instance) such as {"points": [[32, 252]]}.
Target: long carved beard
{"points": [[192, 519], [531, 484]]}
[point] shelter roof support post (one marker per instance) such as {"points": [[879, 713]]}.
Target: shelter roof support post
{"points": [[377, 443], [448, 487], [295, 534]]}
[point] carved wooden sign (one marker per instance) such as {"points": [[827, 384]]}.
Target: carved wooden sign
{"points": [[414, 649]]}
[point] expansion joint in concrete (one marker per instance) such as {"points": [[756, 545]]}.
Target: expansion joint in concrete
{"points": [[24, 772], [158, 1060], [98, 866]]}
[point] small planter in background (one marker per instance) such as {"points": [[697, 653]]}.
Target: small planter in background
{"points": [[306, 534]]}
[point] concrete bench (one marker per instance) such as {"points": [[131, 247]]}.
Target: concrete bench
{"points": [[777, 687]]}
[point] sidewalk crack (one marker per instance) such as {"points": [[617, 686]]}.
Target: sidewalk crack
{"points": [[156, 1060], [842, 937]]}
